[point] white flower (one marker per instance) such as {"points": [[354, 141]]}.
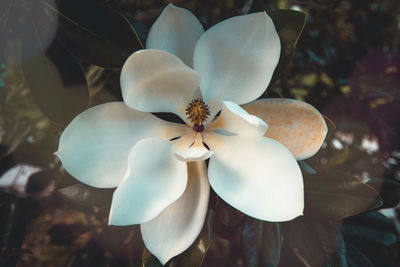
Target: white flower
{"points": [[162, 181]]}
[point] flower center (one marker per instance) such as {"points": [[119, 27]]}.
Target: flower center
{"points": [[197, 112]]}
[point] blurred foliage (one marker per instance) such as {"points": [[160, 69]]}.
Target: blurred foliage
{"points": [[59, 57]]}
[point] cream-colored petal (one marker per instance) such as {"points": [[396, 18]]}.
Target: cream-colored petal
{"points": [[176, 30], [177, 227], [196, 151], [233, 119], [94, 147], [154, 180], [257, 176], [295, 124], [236, 59], [157, 81]]}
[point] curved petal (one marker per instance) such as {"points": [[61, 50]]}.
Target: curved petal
{"points": [[176, 30], [154, 180], [94, 147], [236, 59], [157, 81], [177, 227], [234, 119], [258, 176], [295, 124], [196, 151]]}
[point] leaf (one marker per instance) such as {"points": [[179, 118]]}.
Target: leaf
{"points": [[331, 126], [96, 33], [261, 243], [196, 253], [337, 195], [85, 195], [370, 228], [356, 258], [305, 167], [227, 214], [289, 24], [315, 243], [56, 81], [389, 191]]}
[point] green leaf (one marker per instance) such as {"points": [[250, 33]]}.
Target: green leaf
{"points": [[84, 195], [195, 254], [355, 257], [337, 195], [389, 191], [289, 24], [261, 243], [228, 215], [96, 33], [315, 243], [370, 228], [55, 78]]}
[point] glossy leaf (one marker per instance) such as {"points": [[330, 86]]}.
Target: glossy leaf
{"points": [[370, 228], [389, 191], [55, 78], [84, 195], [228, 215], [261, 243], [315, 243], [95, 33], [289, 25], [337, 195], [356, 258]]}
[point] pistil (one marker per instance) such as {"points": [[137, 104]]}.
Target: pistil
{"points": [[197, 112]]}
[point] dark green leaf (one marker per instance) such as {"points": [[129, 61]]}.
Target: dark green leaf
{"points": [[314, 243], [389, 191], [331, 126], [370, 228], [337, 195], [194, 256], [95, 33], [289, 24], [356, 258], [261, 243], [85, 195], [227, 214], [54, 77]]}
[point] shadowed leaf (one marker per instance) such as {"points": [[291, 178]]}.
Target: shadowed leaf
{"points": [[337, 195], [315, 243], [261, 243], [55, 78], [96, 33], [289, 24]]}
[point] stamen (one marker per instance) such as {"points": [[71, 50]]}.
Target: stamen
{"points": [[197, 112]]}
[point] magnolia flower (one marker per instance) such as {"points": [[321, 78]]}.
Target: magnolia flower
{"points": [[159, 167]]}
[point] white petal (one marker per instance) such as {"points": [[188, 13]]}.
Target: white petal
{"points": [[94, 147], [154, 180], [177, 227], [258, 176], [158, 81], [236, 59], [196, 151], [236, 120], [176, 30]]}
